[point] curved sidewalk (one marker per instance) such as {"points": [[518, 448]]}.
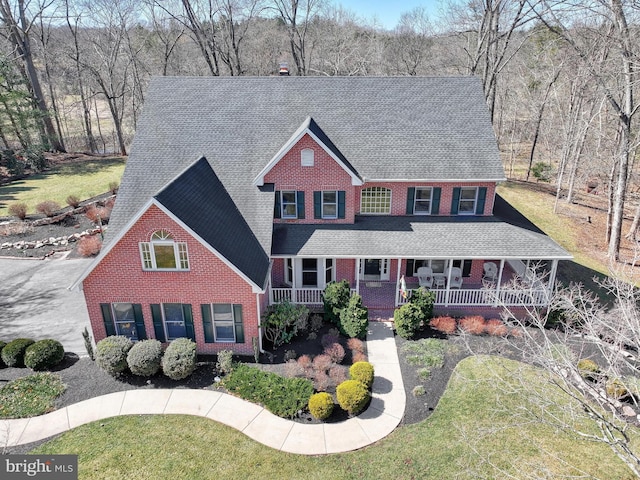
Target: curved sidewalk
{"points": [[381, 418]]}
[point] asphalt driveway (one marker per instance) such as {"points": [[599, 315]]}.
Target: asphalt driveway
{"points": [[35, 302]]}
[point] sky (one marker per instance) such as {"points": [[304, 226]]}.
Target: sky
{"points": [[388, 12]]}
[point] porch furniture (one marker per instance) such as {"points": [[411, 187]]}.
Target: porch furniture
{"points": [[455, 277], [425, 277], [439, 280], [490, 271]]}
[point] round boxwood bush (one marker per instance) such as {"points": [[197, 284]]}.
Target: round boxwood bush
{"points": [[352, 395], [407, 320], [13, 352], [2, 344], [321, 405], [111, 354], [43, 355], [362, 372], [179, 359], [144, 358]]}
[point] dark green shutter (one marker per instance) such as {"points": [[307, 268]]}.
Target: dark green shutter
{"points": [[207, 323], [188, 321], [435, 201], [277, 209], [317, 204], [139, 319], [455, 201], [411, 196], [156, 315], [466, 268], [237, 323], [409, 272], [341, 203], [107, 318], [300, 203], [482, 196]]}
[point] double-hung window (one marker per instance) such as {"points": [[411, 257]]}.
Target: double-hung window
{"points": [[163, 253], [124, 320], [289, 204], [330, 204], [375, 200], [422, 202], [174, 320], [222, 322], [467, 203]]}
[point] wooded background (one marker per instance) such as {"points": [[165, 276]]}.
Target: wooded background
{"points": [[559, 76]]}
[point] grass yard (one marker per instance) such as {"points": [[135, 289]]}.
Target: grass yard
{"points": [[30, 396], [475, 432], [84, 179]]}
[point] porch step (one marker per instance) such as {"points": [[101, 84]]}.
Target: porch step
{"points": [[381, 315]]}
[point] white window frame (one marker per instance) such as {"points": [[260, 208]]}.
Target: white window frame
{"points": [[162, 238], [164, 321], [329, 270], [117, 322], [307, 157], [289, 272], [416, 200], [335, 204], [468, 200], [223, 323], [377, 198], [283, 204], [317, 260]]}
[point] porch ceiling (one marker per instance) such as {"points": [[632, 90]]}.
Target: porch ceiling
{"points": [[504, 235]]}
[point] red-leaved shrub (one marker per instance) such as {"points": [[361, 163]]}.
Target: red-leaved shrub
{"points": [[335, 352], [328, 339], [338, 374], [355, 345], [322, 363], [359, 357], [73, 201], [321, 381], [293, 369], [496, 328], [48, 208], [18, 210], [444, 324], [474, 324], [304, 361], [89, 245]]}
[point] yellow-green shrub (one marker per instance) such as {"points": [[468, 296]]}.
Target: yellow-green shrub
{"points": [[352, 395], [321, 405], [362, 372]]}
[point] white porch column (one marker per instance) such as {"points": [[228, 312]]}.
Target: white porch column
{"points": [[446, 296], [552, 277], [495, 303], [398, 283], [358, 276]]}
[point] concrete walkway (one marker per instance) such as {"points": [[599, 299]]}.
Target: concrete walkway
{"points": [[381, 418]]}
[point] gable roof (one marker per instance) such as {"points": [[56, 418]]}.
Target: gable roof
{"points": [[200, 201], [311, 128]]}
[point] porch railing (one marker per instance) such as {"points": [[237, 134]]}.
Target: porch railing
{"points": [[485, 297], [307, 296]]}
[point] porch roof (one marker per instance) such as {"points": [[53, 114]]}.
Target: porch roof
{"points": [[507, 234]]}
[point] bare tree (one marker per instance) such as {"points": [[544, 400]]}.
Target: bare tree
{"points": [[411, 41], [236, 17]]}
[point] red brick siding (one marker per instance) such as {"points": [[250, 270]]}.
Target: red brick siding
{"points": [[119, 278], [326, 174]]}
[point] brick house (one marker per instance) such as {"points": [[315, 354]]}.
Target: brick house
{"points": [[241, 192]]}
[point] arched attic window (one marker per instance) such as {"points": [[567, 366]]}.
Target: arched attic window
{"points": [[164, 253]]}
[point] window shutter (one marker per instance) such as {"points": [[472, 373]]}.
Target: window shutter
{"points": [[317, 204], [237, 323], [435, 201], [207, 323], [107, 318], [482, 196], [466, 268], [300, 203], [139, 319], [341, 203], [455, 201], [409, 272], [277, 209], [156, 315], [188, 321], [411, 196]]}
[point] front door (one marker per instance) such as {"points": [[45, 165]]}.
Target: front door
{"points": [[372, 266], [374, 269]]}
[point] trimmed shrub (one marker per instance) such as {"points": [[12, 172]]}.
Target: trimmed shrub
{"points": [[338, 374], [407, 320], [321, 405], [362, 372], [111, 354], [43, 354], [89, 245], [282, 322], [496, 327], [2, 344], [224, 365], [73, 201], [321, 382], [179, 360], [18, 210], [353, 396], [354, 319], [334, 298], [335, 351], [13, 352], [444, 324], [144, 358], [355, 345], [475, 324], [359, 357], [48, 208], [588, 368], [424, 300], [322, 363]]}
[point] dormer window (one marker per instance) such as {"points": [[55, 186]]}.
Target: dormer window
{"points": [[163, 253], [307, 157]]}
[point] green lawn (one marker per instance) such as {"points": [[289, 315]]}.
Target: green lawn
{"points": [[475, 432], [82, 179]]}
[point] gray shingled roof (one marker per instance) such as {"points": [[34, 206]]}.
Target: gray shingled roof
{"points": [[198, 198], [505, 235]]}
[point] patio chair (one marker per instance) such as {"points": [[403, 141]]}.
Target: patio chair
{"points": [[455, 277], [425, 277], [490, 271]]}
